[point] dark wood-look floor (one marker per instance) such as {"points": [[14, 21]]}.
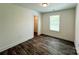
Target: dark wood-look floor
{"points": [[42, 45]]}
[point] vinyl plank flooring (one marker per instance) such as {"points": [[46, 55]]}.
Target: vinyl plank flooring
{"points": [[42, 45]]}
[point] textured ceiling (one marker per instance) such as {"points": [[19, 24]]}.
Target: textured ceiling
{"points": [[49, 8]]}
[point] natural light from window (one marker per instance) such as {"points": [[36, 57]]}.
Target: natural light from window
{"points": [[54, 22]]}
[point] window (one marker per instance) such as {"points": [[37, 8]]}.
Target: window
{"points": [[54, 22]]}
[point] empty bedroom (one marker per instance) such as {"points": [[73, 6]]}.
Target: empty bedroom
{"points": [[39, 28]]}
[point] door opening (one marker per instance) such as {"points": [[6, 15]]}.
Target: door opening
{"points": [[35, 25]]}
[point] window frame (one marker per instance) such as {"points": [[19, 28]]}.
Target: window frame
{"points": [[59, 23]]}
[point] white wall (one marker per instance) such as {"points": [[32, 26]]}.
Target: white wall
{"points": [[16, 25], [67, 24], [77, 29]]}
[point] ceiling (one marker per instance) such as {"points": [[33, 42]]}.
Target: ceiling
{"points": [[49, 8]]}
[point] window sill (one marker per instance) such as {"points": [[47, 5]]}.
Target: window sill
{"points": [[54, 31]]}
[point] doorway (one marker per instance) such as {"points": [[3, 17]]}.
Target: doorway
{"points": [[35, 25]]}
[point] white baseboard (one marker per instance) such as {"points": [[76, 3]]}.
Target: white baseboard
{"points": [[13, 44]]}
